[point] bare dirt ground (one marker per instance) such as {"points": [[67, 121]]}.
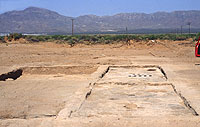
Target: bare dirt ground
{"points": [[153, 83]]}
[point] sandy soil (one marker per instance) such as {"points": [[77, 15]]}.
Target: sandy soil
{"points": [[141, 84]]}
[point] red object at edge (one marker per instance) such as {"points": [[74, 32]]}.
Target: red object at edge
{"points": [[197, 48]]}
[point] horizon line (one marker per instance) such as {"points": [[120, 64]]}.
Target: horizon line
{"points": [[98, 15]]}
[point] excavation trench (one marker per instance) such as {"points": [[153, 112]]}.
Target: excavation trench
{"points": [[39, 92], [64, 70], [134, 100], [133, 91], [128, 91]]}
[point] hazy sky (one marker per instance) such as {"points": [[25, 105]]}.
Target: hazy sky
{"points": [[101, 7]]}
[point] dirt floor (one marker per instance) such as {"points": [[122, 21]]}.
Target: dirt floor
{"points": [[154, 83]]}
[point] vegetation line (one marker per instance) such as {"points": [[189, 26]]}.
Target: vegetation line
{"points": [[96, 39]]}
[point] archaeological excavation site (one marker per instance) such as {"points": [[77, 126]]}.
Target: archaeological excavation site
{"points": [[52, 85]]}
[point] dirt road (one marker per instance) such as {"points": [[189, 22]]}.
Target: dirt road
{"points": [[142, 84]]}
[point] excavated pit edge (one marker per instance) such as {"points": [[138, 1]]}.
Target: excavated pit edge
{"points": [[186, 102], [104, 73], [144, 66], [90, 91], [18, 72]]}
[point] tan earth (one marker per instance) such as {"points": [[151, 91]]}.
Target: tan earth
{"points": [[141, 84]]}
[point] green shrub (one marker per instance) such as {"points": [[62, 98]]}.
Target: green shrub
{"points": [[71, 42], [196, 37], [32, 38], [16, 36], [2, 39]]}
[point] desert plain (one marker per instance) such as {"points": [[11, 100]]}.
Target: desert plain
{"points": [[141, 84]]}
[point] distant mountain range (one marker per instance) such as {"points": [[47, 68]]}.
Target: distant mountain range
{"points": [[39, 20]]}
